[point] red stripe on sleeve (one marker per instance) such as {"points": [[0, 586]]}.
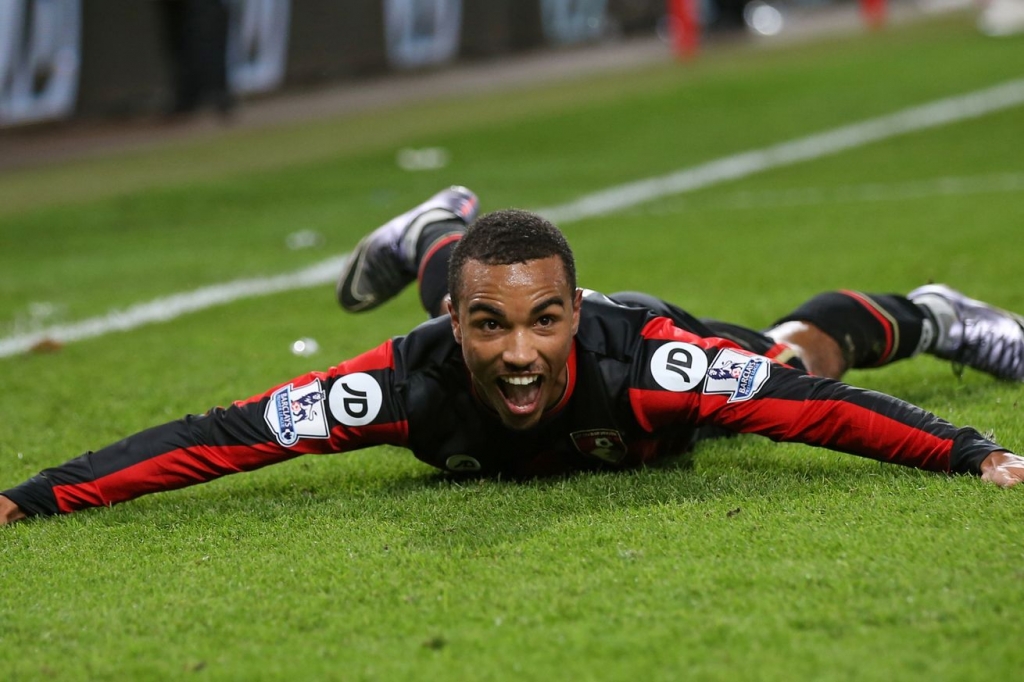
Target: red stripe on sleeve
{"points": [[834, 424], [381, 357], [168, 471], [189, 466], [846, 427]]}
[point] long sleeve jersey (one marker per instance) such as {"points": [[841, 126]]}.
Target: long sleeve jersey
{"points": [[639, 387]]}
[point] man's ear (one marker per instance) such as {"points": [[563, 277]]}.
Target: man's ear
{"points": [[577, 305], [453, 315]]}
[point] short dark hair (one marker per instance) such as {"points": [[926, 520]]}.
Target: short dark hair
{"points": [[505, 237]]}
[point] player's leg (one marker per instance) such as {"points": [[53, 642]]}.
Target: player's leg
{"points": [[842, 330], [413, 246], [752, 340], [681, 318]]}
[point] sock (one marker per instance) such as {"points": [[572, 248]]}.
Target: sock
{"points": [[940, 316], [433, 249], [871, 329]]}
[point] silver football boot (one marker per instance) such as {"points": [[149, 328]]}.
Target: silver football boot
{"points": [[974, 334], [384, 262]]}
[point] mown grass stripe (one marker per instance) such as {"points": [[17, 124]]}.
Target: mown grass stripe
{"points": [[617, 198]]}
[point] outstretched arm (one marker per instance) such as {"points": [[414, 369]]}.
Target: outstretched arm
{"points": [[320, 412], [712, 381]]}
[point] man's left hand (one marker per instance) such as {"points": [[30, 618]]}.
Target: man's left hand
{"points": [[1003, 468]]}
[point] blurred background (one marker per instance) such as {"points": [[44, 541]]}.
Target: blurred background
{"points": [[93, 60], [132, 131]]}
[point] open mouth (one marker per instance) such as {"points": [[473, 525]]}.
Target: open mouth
{"points": [[521, 393]]}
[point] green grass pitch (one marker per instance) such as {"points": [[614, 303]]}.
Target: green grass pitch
{"points": [[758, 562]]}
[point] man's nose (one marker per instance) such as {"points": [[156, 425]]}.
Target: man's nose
{"points": [[520, 351]]}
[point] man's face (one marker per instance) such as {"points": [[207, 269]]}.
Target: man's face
{"points": [[516, 325]]}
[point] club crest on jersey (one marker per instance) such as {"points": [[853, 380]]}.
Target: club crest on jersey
{"points": [[295, 413], [606, 444], [738, 374]]}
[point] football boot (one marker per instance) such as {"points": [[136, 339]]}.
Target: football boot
{"points": [[384, 262], [973, 333]]}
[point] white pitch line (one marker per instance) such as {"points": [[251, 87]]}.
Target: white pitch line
{"points": [[940, 112], [613, 199], [865, 193], [175, 305]]}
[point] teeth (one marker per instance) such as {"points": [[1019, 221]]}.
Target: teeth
{"points": [[520, 381]]}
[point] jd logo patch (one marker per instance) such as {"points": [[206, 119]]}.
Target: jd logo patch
{"points": [[355, 399], [606, 444], [678, 366], [295, 413]]}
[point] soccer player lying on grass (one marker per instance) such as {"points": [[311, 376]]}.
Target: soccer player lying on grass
{"points": [[520, 373]]}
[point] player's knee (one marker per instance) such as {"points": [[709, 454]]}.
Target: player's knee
{"points": [[818, 351]]}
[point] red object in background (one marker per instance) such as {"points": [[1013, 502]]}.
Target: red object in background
{"points": [[684, 25], [873, 12]]}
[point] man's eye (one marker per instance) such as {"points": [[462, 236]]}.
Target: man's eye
{"points": [[490, 325], [545, 320]]}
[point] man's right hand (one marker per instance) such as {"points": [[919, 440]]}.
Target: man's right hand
{"points": [[9, 512]]}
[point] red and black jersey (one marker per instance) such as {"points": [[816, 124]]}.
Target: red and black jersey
{"points": [[640, 386]]}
